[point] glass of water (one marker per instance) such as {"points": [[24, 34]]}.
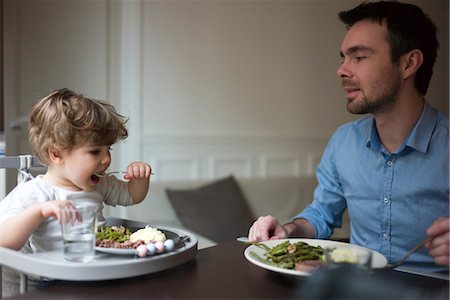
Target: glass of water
{"points": [[79, 226]]}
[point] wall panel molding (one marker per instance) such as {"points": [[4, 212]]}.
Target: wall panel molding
{"points": [[209, 157], [279, 165], [223, 165]]}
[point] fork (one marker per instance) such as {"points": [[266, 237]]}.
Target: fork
{"points": [[408, 254], [113, 172]]}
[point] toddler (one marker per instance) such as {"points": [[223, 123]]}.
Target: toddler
{"points": [[71, 135]]}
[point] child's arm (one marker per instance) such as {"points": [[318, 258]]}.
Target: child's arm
{"points": [[14, 232], [138, 174]]}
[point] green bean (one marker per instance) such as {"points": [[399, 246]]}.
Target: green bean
{"points": [[287, 265], [260, 245], [259, 258], [280, 248], [278, 252], [299, 252], [276, 258], [308, 257]]}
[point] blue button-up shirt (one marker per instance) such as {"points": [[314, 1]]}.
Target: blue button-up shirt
{"points": [[392, 198]]}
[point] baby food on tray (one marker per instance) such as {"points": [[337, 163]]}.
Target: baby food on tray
{"points": [[145, 241]]}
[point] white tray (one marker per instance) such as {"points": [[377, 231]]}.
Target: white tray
{"points": [[105, 266]]}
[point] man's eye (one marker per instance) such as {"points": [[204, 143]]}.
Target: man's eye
{"points": [[358, 58], [95, 152]]}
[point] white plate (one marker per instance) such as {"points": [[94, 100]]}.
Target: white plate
{"points": [[378, 260], [118, 251]]}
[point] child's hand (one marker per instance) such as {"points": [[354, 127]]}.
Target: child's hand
{"points": [[54, 208], [138, 170]]}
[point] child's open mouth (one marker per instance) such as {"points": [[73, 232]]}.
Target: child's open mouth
{"points": [[95, 179]]}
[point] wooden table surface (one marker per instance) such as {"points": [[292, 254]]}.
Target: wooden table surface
{"points": [[222, 272]]}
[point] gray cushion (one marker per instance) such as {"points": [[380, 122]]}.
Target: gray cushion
{"points": [[217, 210]]}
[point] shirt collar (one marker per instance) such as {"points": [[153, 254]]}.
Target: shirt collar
{"points": [[418, 139], [420, 136], [372, 139]]}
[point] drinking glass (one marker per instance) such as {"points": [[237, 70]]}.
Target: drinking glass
{"points": [[79, 226]]}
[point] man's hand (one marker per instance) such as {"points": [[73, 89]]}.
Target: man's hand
{"points": [[265, 228], [438, 247]]}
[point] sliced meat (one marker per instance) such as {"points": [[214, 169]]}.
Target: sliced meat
{"points": [[308, 265]]}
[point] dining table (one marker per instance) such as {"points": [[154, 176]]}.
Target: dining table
{"points": [[223, 272]]}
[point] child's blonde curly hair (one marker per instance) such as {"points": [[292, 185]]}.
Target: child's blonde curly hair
{"points": [[69, 120]]}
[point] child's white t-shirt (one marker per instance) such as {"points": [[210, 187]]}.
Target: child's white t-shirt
{"points": [[47, 236]]}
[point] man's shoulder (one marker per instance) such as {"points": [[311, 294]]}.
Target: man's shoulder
{"points": [[440, 133]]}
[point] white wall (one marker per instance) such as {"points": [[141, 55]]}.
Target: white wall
{"points": [[211, 87], [48, 45]]}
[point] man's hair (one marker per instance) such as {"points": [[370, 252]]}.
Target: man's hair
{"points": [[70, 120], [409, 28]]}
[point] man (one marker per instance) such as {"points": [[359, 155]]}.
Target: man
{"points": [[389, 168]]}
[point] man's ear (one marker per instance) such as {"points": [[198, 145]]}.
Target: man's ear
{"points": [[55, 154], [411, 62]]}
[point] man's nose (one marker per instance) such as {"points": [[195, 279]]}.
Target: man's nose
{"points": [[343, 70]]}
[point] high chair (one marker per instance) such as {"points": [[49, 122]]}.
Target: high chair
{"points": [[23, 164]]}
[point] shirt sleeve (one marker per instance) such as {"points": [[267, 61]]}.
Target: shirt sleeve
{"points": [[115, 192], [21, 197], [326, 210]]}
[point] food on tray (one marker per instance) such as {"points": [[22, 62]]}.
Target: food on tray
{"points": [[148, 234], [115, 237], [146, 241]]}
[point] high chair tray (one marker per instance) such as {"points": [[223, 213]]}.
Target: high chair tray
{"points": [[105, 266]]}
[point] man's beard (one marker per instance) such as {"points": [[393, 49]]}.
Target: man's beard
{"points": [[381, 99]]}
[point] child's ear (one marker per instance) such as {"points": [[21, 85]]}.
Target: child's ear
{"points": [[55, 154]]}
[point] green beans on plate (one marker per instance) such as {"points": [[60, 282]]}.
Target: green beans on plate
{"points": [[114, 233], [287, 255]]}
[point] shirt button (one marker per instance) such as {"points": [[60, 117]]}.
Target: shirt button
{"points": [[390, 163], [386, 200], [385, 236]]}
